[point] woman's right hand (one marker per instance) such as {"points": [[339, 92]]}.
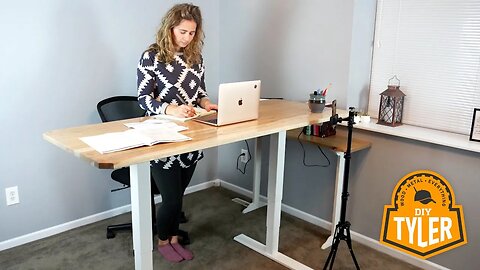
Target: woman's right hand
{"points": [[182, 111]]}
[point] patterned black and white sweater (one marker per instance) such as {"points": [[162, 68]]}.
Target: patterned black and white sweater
{"points": [[159, 83]]}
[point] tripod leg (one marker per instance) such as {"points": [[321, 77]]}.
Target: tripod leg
{"points": [[333, 250], [334, 253], [331, 255], [349, 244]]}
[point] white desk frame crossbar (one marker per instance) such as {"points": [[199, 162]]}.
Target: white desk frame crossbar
{"points": [[274, 207]]}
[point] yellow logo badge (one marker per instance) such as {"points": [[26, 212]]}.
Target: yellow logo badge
{"points": [[423, 219]]}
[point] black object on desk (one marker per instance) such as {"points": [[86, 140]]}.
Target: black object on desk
{"points": [[324, 129], [342, 230]]}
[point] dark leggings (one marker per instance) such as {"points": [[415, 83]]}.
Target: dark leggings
{"points": [[172, 184]]}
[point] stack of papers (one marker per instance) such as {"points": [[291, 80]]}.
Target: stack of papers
{"points": [[145, 133]]}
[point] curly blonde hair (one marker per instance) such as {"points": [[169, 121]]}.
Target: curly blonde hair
{"points": [[165, 45]]}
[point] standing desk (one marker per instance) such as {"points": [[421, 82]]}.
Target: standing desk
{"points": [[275, 118]]}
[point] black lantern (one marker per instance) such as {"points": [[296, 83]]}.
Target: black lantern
{"points": [[391, 105]]}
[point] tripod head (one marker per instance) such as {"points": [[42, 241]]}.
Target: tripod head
{"points": [[334, 119]]}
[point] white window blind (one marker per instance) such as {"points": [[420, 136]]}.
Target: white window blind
{"points": [[434, 49]]}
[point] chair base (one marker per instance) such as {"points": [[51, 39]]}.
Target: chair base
{"points": [[112, 229]]}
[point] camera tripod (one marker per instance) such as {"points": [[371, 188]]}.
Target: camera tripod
{"points": [[342, 230]]}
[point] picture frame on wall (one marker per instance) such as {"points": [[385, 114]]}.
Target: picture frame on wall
{"points": [[475, 131]]}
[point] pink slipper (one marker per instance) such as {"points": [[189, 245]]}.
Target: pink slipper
{"points": [[169, 253], [185, 253]]}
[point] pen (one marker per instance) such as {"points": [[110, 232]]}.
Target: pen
{"points": [[324, 92], [185, 103], [181, 99]]}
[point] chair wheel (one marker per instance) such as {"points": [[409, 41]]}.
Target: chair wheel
{"points": [[110, 234]]}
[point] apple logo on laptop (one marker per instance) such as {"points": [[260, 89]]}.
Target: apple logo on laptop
{"points": [[240, 102]]}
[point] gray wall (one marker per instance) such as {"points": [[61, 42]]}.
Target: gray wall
{"points": [[294, 47], [302, 45], [57, 60], [363, 27]]}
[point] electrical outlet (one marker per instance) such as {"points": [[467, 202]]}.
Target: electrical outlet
{"points": [[244, 157], [12, 195]]}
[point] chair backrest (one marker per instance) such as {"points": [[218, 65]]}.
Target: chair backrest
{"points": [[118, 108]]}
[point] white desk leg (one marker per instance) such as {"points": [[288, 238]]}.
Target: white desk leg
{"points": [[274, 207], [337, 198], [141, 215], [257, 169], [275, 190]]}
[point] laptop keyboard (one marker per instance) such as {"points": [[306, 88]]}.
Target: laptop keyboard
{"points": [[213, 121], [210, 118]]}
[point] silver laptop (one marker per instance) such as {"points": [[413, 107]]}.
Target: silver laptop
{"points": [[237, 102]]}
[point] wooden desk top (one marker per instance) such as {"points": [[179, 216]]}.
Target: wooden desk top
{"points": [[275, 116], [337, 143]]}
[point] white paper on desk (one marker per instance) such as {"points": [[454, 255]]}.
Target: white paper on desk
{"points": [[156, 124], [114, 141], [158, 135], [118, 141]]}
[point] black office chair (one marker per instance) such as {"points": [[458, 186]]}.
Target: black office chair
{"points": [[118, 108]]}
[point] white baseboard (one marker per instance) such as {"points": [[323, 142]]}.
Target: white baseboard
{"points": [[375, 244], [360, 238], [372, 243], [27, 238]]}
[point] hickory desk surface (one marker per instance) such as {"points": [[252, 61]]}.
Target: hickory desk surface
{"points": [[275, 118]]}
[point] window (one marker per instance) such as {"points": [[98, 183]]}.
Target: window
{"points": [[434, 49]]}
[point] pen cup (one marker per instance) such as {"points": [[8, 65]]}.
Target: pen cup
{"points": [[316, 103]]}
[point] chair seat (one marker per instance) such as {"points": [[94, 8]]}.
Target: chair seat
{"points": [[122, 176]]}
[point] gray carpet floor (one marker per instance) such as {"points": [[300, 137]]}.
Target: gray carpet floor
{"points": [[213, 222]]}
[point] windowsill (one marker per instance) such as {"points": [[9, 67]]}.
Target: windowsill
{"points": [[423, 134]]}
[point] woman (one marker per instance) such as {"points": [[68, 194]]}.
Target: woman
{"points": [[171, 80]]}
